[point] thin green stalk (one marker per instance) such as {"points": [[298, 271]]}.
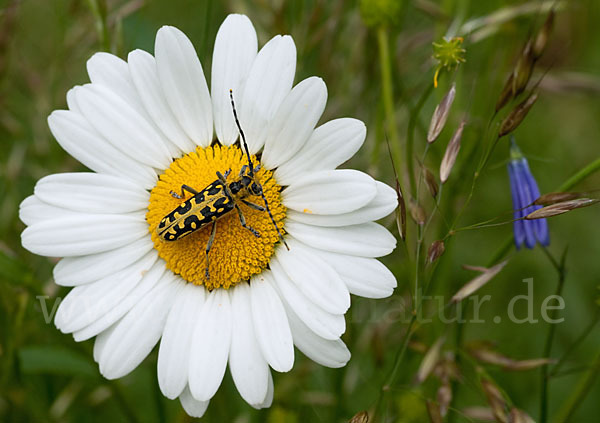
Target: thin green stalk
{"points": [[581, 175], [410, 135], [387, 91], [560, 268], [581, 391], [575, 344], [98, 9]]}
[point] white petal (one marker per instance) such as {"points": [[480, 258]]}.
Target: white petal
{"points": [[182, 79], [192, 406], [144, 73], [123, 126], [248, 367], [137, 333], [294, 122], [314, 277], [113, 72], [148, 282], [269, 81], [270, 324], [268, 398], [73, 271], [100, 343], [32, 210], [87, 303], [366, 277], [367, 239], [330, 192], [210, 346], [329, 353], [383, 204], [78, 138], [91, 193], [83, 234], [235, 50], [72, 101], [174, 352], [324, 324], [330, 145]]}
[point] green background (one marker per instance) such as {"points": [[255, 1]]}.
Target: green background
{"points": [[44, 45]]}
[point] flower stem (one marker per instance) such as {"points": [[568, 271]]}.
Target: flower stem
{"points": [[387, 92], [560, 268], [581, 175], [575, 344], [410, 135], [98, 9], [581, 391]]}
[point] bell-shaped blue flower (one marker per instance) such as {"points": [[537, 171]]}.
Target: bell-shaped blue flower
{"points": [[525, 191]]}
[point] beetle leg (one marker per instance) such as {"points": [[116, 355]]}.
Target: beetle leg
{"points": [[222, 178], [209, 245], [243, 222], [254, 206], [184, 188], [227, 173], [243, 170]]}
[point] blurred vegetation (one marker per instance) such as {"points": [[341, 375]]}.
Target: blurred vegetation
{"points": [[378, 69]]}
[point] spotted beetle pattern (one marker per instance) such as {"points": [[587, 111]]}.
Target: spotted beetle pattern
{"points": [[208, 205]]}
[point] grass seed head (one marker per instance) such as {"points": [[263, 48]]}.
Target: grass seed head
{"points": [[516, 116], [451, 153], [440, 115], [541, 39]]}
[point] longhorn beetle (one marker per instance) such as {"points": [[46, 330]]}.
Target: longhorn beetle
{"points": [[215, 201]]}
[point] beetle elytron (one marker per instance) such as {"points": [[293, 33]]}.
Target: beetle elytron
{"points": [[215, 201]]}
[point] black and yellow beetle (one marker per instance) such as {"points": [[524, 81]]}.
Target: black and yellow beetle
{"points": [[215, 201]]}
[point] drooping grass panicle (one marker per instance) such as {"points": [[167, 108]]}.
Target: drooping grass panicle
{"points": [[479, 281], [440, 115], [560, 208], [516, 116], [451, 153]]}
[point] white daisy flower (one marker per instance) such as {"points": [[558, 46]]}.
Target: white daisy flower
{"points": [[145, 128]]}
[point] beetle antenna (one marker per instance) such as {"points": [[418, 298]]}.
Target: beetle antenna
{"points": [[262, 194], [237, 122], [251, 168]]}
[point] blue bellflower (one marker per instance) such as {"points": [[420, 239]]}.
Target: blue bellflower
{"points": [[525, 191]]}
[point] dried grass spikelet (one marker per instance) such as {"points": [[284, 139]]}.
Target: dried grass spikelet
{"points": [[541, 39], [430, 360], [451, 153], [560, 208], [436, 249], [519, 416], [417, 212], [507, 93], [440, 115], [523, 69], [431, 182], [476, 283], [478, 413], [360, 417], [434, 412], [495, 400], [516, 116], [556, 197], [400, 212], [444, 397], [486, 355]]}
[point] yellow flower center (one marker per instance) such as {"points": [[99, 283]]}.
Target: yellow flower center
{"points": [[236, 253]]}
